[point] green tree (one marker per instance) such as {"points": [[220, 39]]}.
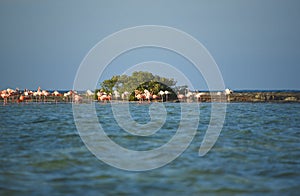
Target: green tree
{"points": [[108, 85], [139, 80]]}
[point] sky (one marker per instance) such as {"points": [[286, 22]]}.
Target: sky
{"points": [[256, 44]]}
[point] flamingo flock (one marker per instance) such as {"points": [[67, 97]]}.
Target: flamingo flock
{"points": [[103, 96], [6, 94], [141, 96], [11, 95], [197, 96]]}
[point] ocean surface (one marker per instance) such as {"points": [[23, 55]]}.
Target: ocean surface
{"points": [[258, 152]]}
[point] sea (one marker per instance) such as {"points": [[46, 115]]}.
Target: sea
{"points": [[256, 153]]}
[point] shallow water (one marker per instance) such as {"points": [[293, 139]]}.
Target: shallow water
{"points": [[257, 152]]}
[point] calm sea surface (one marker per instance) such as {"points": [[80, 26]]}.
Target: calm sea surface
{"points": [[258, 152]]}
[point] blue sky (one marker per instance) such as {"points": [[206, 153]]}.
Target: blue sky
{"points": [[256, 44]]}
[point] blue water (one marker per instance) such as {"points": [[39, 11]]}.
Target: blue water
{"points": [[258, 152]]}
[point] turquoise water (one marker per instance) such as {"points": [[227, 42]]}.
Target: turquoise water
{"points": [[258, 152]]}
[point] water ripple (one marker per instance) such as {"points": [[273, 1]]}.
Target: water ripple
{"points": [[258, 152]]}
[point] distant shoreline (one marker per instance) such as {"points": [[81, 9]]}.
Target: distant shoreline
{"points": [[264, 96]]}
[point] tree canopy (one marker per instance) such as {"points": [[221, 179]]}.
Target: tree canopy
{"points": [[139, 80]]}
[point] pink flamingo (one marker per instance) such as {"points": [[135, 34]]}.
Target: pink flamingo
{"points": [[68, 95], [228, 91], [89, 95], [105, 97], [125, 95], [26, 96], [148, 95], [139, 95], [56, 94], [166, 93], [38, 93], [161, 93], [155, 97], [77, 99], [180, 97], [11, 93], [4, 96], [198, 96], [99, 94], [45, 94]]}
